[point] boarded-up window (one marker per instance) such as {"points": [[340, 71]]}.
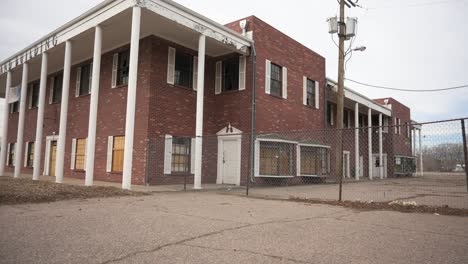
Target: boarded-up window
{"points": [[118, 153], [314, 161], [181, 154], [30, 155], [80, 154], [276, 158]]}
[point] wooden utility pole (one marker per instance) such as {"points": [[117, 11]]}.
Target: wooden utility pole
{"points": [[340, 98]]}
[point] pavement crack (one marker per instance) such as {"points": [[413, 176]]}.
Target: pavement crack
{"points": [[250, 252]]}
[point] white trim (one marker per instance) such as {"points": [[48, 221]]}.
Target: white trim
{"points": [[168, 154], [78, 81], [314, 145], [284, 86], [192, 155], [317, 95], [298, 160], [195, 73], [51, 89], [110, 148], [267, 76], [115, 69], [49, 140], [304, 90], [219, 77], [277, 140], [8, 155], [242, 72], [220, 170], [347, 153], [73, 154], [171, 54], [26, 148]]}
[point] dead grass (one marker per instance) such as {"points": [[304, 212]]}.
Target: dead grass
{"points": [[20, 191], [367, 206]]}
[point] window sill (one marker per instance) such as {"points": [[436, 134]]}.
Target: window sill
{"points": [[55, 103], [77, 170], [183, 87], [277, 96], [119, 86], [230, 92], [83, 95], [179, 174], [311, 107], [274, 176], [312, 176]]}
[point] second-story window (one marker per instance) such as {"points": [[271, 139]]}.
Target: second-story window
{"points": [[276, 80], [34, 99], [122, 72], [83, 80], [183, 69], [56, 94], [231, 74], [310, 99]]}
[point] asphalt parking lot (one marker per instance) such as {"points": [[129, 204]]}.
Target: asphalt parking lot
{"points": [[213, 228], [432, 189]]}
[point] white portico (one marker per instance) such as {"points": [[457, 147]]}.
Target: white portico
{"points": [[111, 24], [364, 108]]}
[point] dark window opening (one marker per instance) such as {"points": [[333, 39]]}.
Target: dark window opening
{"points": [[183, 69], [123, 67], [311, 93], [30, 155], [276, 80], [11, 155], [181, 154], [231, 74], [57, 89], [85, 81], [14, 107], [35, 95]]}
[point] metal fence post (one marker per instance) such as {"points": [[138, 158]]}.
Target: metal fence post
{"points": [[465, 151]]}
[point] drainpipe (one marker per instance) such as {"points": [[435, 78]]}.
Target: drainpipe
{"points": [[252, 134]]}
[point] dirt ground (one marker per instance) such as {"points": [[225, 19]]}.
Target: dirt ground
{"points": [[20, 191]]}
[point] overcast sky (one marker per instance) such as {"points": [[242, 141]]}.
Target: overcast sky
{"points": [[412, 44]]}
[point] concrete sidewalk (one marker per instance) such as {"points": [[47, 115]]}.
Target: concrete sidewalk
{"points": [[205, 227]]}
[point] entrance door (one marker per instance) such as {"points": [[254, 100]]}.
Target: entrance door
{"points": [[53, 151], [231, 162], [377, 164]]}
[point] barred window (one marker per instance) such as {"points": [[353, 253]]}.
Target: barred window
{"points": [[181, 154], [30, 155], [310, 93], [183, 69], [314, 161], [80, 154], [276, 159], [276, 80], [11, 155], [118, 153]]}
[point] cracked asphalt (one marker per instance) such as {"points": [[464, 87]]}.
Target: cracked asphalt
{"points": [[213, 228]]}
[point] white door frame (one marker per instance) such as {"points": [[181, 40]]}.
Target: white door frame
{"points": [[228, 134], [347, 154], [49, 140], [376, 170]]}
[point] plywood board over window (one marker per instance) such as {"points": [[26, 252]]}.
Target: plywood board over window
{"points": [[118, 153]]}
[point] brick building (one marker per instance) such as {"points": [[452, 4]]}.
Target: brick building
{"points": [[150, 92]]}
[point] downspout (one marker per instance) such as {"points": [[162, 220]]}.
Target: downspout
{"points": [[252, 134]]}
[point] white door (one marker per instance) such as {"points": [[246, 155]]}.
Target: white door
{"points": [[377, 164], [231, 162]]}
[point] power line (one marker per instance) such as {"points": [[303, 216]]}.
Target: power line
{"points": [[409, 90], [415, 5]]}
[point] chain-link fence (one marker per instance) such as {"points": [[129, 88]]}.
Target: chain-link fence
{"points": [[418, 163]]}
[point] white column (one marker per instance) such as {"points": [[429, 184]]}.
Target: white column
{"points": [[369, 139], [60, 154], [19, 138], [356, 141], [199, 118], [381, 165], [131, 99], [93, 107], [414, 141], [40, 117], [421, 170], [6, 108]]}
